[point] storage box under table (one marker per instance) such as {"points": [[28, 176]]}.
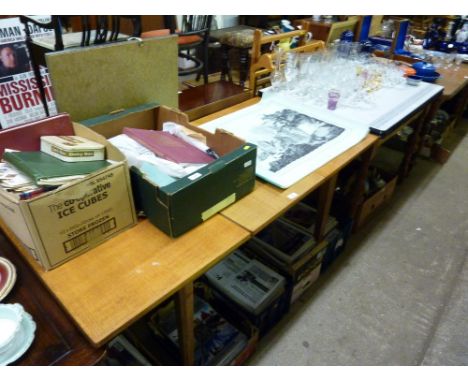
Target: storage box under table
{"points": [[337, 239], [149, 336], [187, 202], [372, 203], [66, 222], [300, 274]]}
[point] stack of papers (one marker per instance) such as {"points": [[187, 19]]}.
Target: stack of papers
{"points": [[246, 281]]}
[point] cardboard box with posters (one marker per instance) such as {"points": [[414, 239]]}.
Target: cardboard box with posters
{"points": [[187, 202], [61, 224]]}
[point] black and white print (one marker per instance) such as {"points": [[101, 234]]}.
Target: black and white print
{"points": [[290, 135], [292, 139]]}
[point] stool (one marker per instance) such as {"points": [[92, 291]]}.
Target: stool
{"points": [[239, 37]]}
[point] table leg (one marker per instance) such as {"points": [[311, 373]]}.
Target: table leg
{"points": [[413, 144], [244, 65], [357, 195], [225, 63], [184, 309], [435, 105], [325, 198], [460, 106]]}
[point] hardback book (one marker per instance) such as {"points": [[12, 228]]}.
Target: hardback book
{"points": [[168, 146], [72, 148], [44, 169], [26, 137]]}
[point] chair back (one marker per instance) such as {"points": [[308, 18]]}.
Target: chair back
{"points": [[94, 29], [262, 63], [376, 25], [338, 28], [195, 24], [194, 32]]}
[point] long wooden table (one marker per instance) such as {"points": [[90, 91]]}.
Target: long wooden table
{"points": [[455, 88], [113, 285]]}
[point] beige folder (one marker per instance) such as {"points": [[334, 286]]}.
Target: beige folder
{"points": [[97, 80]]}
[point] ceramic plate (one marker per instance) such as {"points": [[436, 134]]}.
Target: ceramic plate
{"points": [[22, 341], [7, 277]]}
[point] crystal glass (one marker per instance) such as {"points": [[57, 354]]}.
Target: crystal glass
{"points": [[277, 77], [458, 61], [333, 97]]}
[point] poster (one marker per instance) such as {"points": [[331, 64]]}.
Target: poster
{"points": [[20, 99], [292, 140]]}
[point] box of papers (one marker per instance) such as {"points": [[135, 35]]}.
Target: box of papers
{"points": [[57, 225], [179, 206], [300, 274], [248, 282], [244, 283]]}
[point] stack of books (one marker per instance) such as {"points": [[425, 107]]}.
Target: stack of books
{"points": [[66, 158]]}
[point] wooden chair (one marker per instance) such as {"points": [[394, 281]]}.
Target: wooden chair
{"points": [[338, 28], [376, 25], [262, 63], [194, 36], [95, 30]]}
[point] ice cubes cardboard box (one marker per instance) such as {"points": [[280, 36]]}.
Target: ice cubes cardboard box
{"points": [[61, 224], [187, 202]]}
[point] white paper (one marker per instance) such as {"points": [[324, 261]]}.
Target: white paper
{"points": [[136, 154], [292, 140], [384, 109]]}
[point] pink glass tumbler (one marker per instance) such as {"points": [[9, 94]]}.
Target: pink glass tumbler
{"points": [[333, 97]]}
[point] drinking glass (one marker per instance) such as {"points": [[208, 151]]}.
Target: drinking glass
{"points": [[458, 61], [333, 97]]}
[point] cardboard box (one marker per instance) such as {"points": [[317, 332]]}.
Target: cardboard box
{"points": [[374, 202], [61, 224], [187, 202], [300, 274], [303, 284], [284, 242], [337, 239]]}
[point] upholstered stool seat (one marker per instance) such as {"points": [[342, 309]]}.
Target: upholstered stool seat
{"points": [[239, 37]]}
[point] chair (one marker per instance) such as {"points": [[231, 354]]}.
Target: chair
{"points": [[339, 27], [194, 35], [376, 25], [261, 64], [95, 30]]}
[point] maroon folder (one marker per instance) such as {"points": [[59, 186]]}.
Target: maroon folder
{"points": [[27, 137], [168, 146]]}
